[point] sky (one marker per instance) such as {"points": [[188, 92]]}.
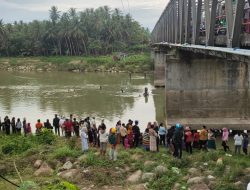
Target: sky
{"points": [[146, 12]]}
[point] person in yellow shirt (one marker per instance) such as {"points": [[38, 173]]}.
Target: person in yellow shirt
{"points": [[203, 138]]}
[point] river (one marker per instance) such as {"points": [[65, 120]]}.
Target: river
{"points": [[37, 95]]}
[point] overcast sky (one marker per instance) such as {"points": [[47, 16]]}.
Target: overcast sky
{"points": [[146, 12]]}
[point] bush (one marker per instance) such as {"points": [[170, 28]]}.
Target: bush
{"points": [[16, 146], [64, 152], [62, 186], [28, 185], [46, 137]]}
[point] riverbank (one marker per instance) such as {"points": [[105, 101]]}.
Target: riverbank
{"points": [[54, 163], [136, 63]]}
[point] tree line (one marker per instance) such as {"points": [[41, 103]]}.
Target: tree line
{"points": [[89, 32]]}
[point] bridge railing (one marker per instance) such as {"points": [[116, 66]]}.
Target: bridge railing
{"points": [[204, 22]]}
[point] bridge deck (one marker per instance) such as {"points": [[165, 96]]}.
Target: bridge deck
{"points": [[235, 51]]}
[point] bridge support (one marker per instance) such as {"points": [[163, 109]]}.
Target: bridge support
{"points": [[159, 67], [206, 90]]}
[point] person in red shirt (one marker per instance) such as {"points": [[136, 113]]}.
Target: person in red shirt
{"points": [[196, 139], [39, 126], [188, 140], [68, 127]]}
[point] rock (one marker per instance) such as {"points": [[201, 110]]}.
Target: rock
{"points": [[159, 170], [208, 172], [44, 170], [135, 177], [70, 175], [219, 161], [210, 177], [67, 166], [3, 169], [239, 184], [193, 171], [246, 171], [147, 176], [139, 187], [201, 186], [38, 163], [82, 158], [177, 186], [195, 180], [136, 157], [148, 163]]}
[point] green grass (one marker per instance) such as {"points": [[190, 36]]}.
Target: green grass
{"points": [[131, 63], [103, 171]]}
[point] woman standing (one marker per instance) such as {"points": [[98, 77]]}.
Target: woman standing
{"points": [[153, 143], [211, 140], [225, 135], [146, 140], [84, 138]]}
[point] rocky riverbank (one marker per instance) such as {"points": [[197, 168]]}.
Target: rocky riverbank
{"points": [[129, 63], [56, 163]]}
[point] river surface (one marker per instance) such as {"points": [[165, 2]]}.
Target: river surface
{"points": [[41, 95]]}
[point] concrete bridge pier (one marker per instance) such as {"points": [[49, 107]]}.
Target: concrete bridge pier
{"points": [[159, 58], [207, 90]]}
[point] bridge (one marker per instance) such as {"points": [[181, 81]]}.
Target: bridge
{"points": [[201, 53]]}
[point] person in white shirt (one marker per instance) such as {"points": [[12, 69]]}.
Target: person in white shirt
{"points": [[103, 136], [238, 142]]}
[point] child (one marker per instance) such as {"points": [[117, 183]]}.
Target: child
{"points": [[245, 143], [84, 138], [103, 136], [112, 142]]}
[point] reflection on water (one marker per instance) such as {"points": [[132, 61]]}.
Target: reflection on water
{"points": [[105, 96]]}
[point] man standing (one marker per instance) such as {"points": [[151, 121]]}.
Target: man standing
{"points": [[136, 132], [56, 125]]}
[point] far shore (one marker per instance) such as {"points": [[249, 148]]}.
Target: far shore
{"points": [[132, 63]]}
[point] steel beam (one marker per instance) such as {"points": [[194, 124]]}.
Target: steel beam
{"points": [[229, 17], [187, 6], [239, 11], [210, 18]]}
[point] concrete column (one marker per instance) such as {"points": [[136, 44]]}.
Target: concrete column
{"points": [[205, 90], [159, 68]]}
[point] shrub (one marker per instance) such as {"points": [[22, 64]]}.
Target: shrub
{"points": [[16, 146], [64, 152], [46, 137], [62, 186], [28, 185]]}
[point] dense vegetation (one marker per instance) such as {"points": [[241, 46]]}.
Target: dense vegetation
{"points": [[89, 32]]}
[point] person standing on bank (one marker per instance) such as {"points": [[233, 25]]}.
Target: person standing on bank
{"points": [[136, 133], [18, 126], [162, 133], [56, 125], [177, 141], [238, 142], [188, 138], [7, 125], [225, 135], [203, 138], [76, 127], [13, 125], [245, 143]]}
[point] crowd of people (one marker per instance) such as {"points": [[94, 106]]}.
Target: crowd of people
{"points": [[129, 135]]}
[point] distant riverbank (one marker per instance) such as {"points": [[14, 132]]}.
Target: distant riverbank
{"points": [[137, 63]]}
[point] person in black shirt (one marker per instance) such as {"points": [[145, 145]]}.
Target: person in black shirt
{"points": [[13, 125], [48, 125], [56, 125], [7, 125], [136, 132], [76, 127]]}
